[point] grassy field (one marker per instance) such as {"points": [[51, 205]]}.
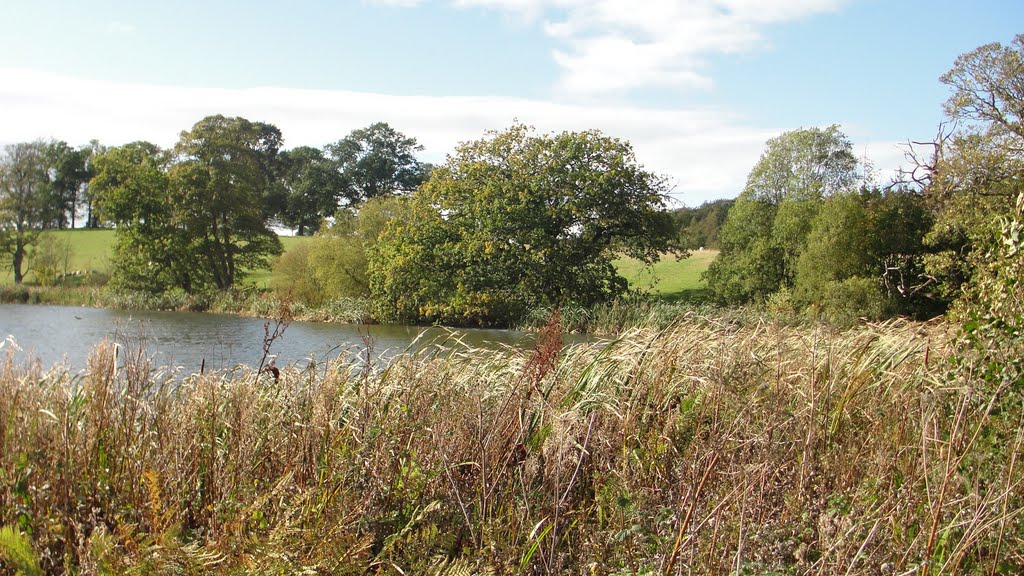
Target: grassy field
{"points": [[85, 250], [91, 251], [670, 279]]}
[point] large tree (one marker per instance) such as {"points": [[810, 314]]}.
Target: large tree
{"points": [[975, 174], [517, 220], [766, 229], [378, 161], [68, 174], [975, 185], [153, 250], [90, 152], [312, 188], [223, 171], [24, 190], [194, 217]]}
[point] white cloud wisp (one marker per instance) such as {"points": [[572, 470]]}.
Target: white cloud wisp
{"points": [[609, 46]]}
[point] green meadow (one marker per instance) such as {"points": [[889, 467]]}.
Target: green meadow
{"points": [[669, 279]]}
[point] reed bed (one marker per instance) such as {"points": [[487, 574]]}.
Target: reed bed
{"points": [[709, 447]]}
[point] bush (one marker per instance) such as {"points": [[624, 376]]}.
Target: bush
{"points": [[846, 302], [295, 276], [14, 295]]}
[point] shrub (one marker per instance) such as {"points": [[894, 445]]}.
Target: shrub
{"points": [[849, 301]]}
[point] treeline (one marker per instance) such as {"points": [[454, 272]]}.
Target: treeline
{"points": [[518, 221], [200, 214], [699, 227], [809, 233], [513, 222]]}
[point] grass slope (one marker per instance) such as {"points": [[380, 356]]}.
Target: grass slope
{"points": [[669, 279], [86, 250], [92, 250]]}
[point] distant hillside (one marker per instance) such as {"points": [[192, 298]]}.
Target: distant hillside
{"points": [[699, 226]]}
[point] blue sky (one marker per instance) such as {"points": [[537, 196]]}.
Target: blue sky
{"points": [[696, 85]]}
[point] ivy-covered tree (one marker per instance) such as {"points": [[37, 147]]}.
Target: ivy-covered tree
{"points": [[975, 174], [518, 220], [974, 185]]}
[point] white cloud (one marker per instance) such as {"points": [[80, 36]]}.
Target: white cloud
{"points": [[122, 28], [707, 153], [400, 3], [620, 45]]}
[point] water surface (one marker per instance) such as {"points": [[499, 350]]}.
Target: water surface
{"points": [[64, 334]]}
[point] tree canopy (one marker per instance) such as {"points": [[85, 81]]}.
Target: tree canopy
{"points": [[518, 220], [194, 217], [766, 229], [313, 188], [24, 194], [378, 161], [973, 186], [973, 177]]}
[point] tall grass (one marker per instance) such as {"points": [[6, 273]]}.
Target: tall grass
{"points": [[704, 448]]}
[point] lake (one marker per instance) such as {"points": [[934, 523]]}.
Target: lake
{"points": [[63, 334]]}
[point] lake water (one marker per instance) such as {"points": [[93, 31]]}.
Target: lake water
{"points": [[62, 334]]}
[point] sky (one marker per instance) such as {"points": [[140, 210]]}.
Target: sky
{"points": [[697, 86]]}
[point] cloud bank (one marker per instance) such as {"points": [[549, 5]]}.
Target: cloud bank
{"points": [[706, 153]]}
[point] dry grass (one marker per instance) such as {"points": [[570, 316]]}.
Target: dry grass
{"points": [[709, 448]]}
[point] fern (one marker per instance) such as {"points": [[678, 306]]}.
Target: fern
{"points": [[442, 566], [16, 552]]}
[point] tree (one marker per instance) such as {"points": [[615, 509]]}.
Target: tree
{"points": [[336, 265], [67, 174], [766, 229], [24, 187], [196, 217], [90, 152], [378, 161], [223, 171], [974, 187], [975, 173], [838, 248], [313, 187], [515, 221], [153, 251]]}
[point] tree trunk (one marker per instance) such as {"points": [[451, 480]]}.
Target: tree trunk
{"points": [[19, 258]]}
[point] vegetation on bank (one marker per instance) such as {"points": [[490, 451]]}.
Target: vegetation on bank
{"points": [[708, 447]]}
